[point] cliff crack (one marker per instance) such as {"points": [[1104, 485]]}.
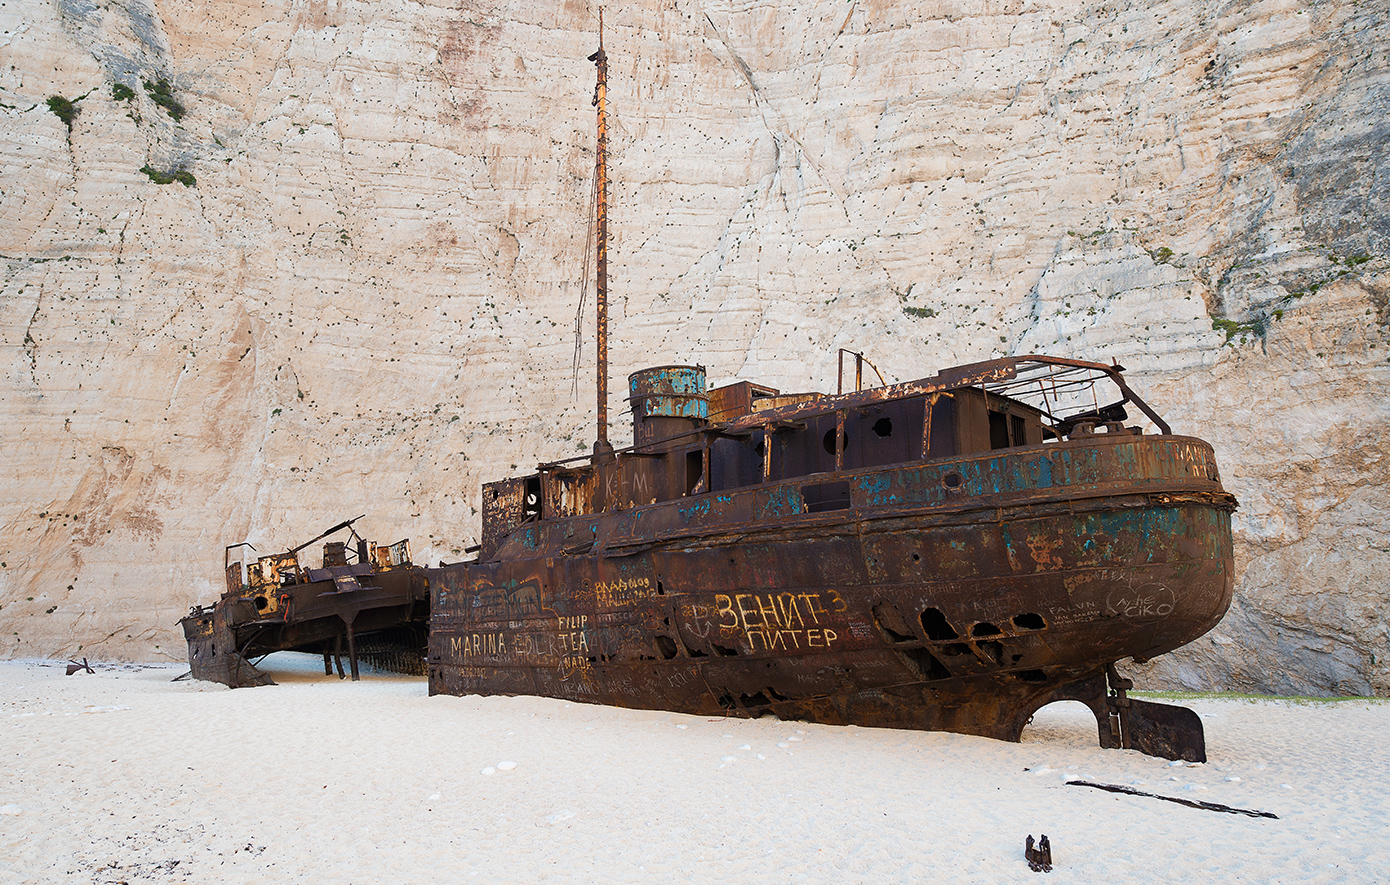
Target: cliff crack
{"points": [[780, 130], [839, 32], [31, 347]]}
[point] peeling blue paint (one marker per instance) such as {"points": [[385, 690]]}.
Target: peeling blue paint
{"points": [[782, 500], [695, 509]]}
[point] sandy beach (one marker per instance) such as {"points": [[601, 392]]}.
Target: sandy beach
{"points": [[127, 776]]}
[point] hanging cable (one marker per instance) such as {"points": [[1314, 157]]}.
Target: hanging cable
{"points": [[584, 288]]}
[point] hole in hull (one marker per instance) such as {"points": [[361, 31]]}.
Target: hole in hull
{"points": [[1029, 621], [937, 628], [890, 621], [926, 663], [689, 650], [993, 649]]}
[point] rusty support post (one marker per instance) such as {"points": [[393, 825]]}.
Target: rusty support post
{"points": [[601, 171], [705, 478], [767, 453], [839, 440], [352, 650], [928, 406], [338, 654], [858, 371]]}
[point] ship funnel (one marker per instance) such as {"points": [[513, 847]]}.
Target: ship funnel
{"points": [[667, 400]]}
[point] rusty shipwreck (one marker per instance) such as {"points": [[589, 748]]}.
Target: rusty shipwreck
{"points": [[366, 599], [951, 553]]}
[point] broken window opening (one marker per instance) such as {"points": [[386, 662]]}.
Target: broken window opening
{"points": [[531, 501], [998, 430], [825, 496], [694, 471]]}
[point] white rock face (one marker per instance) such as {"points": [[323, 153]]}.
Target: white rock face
{"points": [[364, 299]]}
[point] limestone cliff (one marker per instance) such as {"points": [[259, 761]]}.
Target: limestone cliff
{"points": [[278, 264]]}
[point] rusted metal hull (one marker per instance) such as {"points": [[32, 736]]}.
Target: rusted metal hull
{"points": [[282, 606], [958, 594], [214, 653]]}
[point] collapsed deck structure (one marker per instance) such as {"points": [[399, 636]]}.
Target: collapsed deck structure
{"points": [[361, 591]]}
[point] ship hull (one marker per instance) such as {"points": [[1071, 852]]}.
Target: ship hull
{"points": [[959, 595], [387, 608]]}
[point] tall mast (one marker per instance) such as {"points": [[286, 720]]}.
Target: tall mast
{"points": [[601, 102]]}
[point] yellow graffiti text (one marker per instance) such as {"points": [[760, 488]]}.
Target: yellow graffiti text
{"points": [[624, 591], [478, 644], [752, 611], [790, 640], [777, 621]]}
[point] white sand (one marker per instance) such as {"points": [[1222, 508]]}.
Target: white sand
{"points": [[124, 776]]}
